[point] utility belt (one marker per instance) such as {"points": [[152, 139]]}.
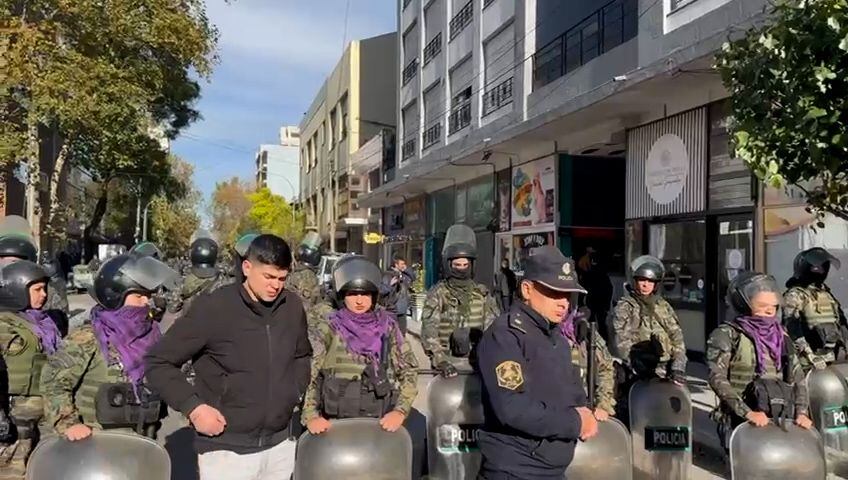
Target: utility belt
{"points": [[118, 405]]}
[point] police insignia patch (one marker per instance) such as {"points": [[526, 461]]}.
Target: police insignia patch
{"points": [[566, 268], [509, 375]]}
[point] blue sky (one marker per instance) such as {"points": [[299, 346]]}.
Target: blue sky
{"points": [[274, 56]]}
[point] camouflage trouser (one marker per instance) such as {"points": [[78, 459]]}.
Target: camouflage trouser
{"points": [[13, 459]]}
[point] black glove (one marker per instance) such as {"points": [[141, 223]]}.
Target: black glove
{"points": [[446, 369], [678, 377], [7, 433]]}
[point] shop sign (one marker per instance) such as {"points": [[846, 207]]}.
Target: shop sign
{"points": [[533, 194], [372, 238], [667, 169], [522, 245]]}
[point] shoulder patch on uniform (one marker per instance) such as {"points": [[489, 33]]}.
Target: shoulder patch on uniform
{"points": [[516, 323], [509, 375]]}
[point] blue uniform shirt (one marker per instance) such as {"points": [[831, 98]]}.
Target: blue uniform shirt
{"points": [[530, 391]]}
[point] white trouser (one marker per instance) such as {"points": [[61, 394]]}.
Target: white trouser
{"points": [[276, 463]]}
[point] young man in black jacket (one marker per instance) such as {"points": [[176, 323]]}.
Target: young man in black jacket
{"points": [[251, 355]]}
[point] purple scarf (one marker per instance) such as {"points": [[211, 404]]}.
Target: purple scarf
{"points": [[45, 329], [567, 326], [363, 333], [767, 335], [130, 332]]}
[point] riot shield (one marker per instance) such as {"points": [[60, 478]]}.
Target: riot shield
{"points": [[828, 390], [772, 452], [461, 240], [103, 456], [354, 449], [661, 425], [456, 415], [606, 456]]}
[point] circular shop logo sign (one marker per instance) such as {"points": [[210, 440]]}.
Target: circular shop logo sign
{"points": [[666, 169]]}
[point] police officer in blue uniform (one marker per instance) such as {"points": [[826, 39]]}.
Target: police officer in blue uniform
{"points": [[534, 400]]}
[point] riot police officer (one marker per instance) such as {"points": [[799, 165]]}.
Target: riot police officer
{"points": [[574, 328], [457, 309], [812, 315], [203, 276], [534, 401], [97, 378], [647, 331], [362, 366], [751, 359], [27, 337], [303, 279]]}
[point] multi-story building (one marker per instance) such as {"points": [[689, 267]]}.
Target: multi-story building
{"points": [[592, 125], [355, 103], [277, 165]]}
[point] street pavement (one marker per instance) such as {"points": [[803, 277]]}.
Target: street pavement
{"points": [[708, 457]]}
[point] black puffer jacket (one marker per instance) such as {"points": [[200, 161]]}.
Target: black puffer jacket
{"points": [[252, 363]]}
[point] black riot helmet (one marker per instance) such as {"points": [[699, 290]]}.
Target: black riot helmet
{"points": [[204, 254], [460, 242], [812, 266], [745, 286], [147, 249], [16, 239], [355, 273], [49, 264], [15, 280], [647, 267], [308, 252], [130, 273]]}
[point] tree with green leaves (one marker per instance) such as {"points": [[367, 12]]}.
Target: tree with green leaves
{"points": [[174, 220], [107, 76], [228, 208], [271, 213], [789, 89]]}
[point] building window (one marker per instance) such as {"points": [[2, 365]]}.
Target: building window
{"points": [[608, 27], [433, 48], [333, 129], [460, 116], [431, 135], [462, 19], [410, 71], [497, 97], [343, 123], [408, 148]]}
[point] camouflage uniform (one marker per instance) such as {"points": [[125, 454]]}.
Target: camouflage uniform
{"points": [[304, 282], [329, 354], [637, 320], [192, 287], [22, 352], [442, 315], [806, 309], [605, 385], [71, 378], [732, 360]]}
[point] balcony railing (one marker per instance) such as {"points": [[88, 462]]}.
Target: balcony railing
{"points": [[460, 117], [497, 97], [610, 26], [433, 48], [432, 135], [406, 3], [407, 150], [462, 19], [486, 3], [410, 71]]}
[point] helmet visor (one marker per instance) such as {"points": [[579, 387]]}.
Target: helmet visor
{"points": [[150, 273], [818, 257], [648, 261], [460, 235], [243, 243], [357, 271]]}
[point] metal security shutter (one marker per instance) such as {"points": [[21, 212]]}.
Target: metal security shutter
{"points": [[690, 128], [499, 55]]}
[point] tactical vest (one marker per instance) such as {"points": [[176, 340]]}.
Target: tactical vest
{"points": [[452, 319], [347, 390], [822, 308], [648, 326], [98, 374], [743, 365], [26, 361]]}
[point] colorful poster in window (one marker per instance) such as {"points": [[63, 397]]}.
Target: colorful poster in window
{"points": [[504, 195], [523, 244], [533, 194]]}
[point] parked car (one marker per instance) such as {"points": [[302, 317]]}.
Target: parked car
{"points": [[81, 278]]}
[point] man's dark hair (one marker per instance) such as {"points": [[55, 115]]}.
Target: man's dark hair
{"points": [[398, 258], [270, 250]]}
